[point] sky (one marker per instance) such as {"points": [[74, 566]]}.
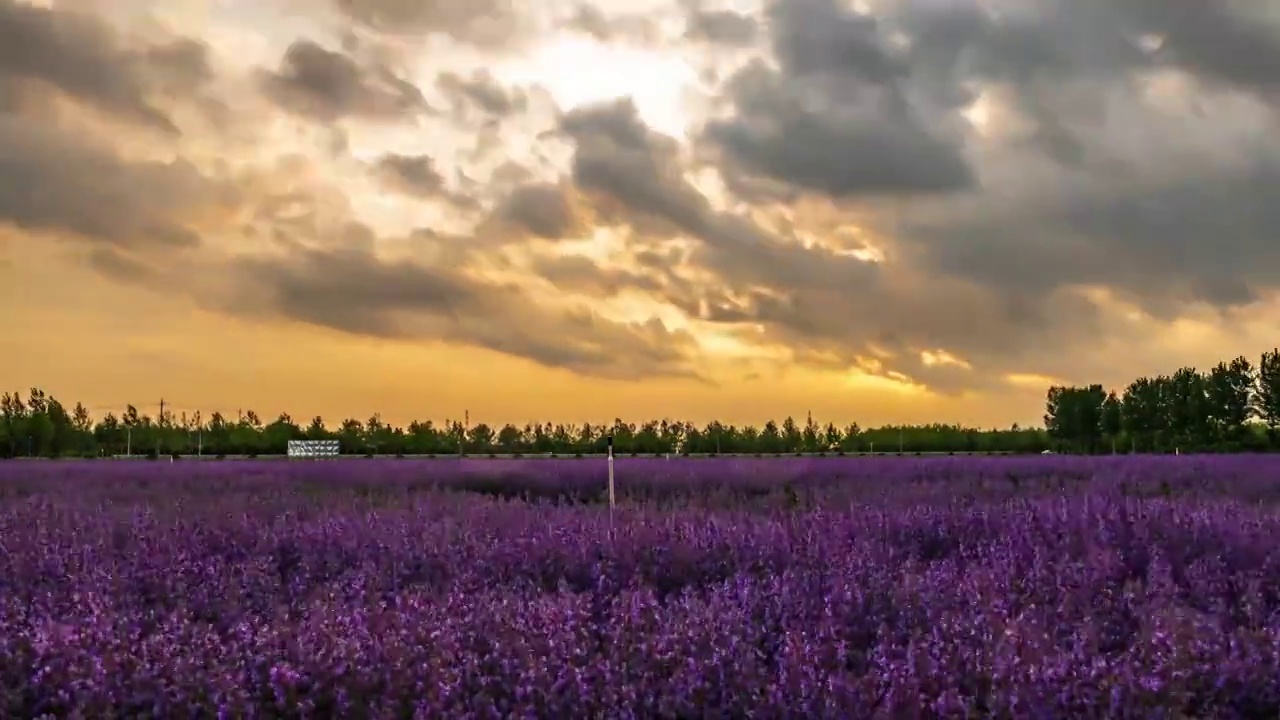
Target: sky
{"points": [[879, 211]]}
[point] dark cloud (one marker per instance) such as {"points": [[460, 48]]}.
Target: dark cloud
{"points": [[54, 182], [1235, 42], [327, 85], [81, 56], [838, 115], [636, 179], [180, 65], [1162, 243], [411, 174], [357, 293], [119, 266], [1130, 145], [481, 90], [352, 291], [824, 37], [576, 273], [861, 141], [542, 210], [722, 27], [639, 172], [1164, 201]]}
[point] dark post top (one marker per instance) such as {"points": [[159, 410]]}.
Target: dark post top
{"points": [[610, 439]]}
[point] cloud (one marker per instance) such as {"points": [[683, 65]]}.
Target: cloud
{"points": [[81, 56], [180, 65], [864, 140], [637, 177], [1139, 155], [1124, 146], [120, 266], [485, 23], [355, 292], [839, 116], [482, 91], [52, 181], [614, 27], [541, 210], [808, 295], [868, 190], [722, 26], [327, 85], [414, 175]]}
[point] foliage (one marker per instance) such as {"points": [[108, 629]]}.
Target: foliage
{"points": [[952, 587], [1188, 411], [40, 427]]}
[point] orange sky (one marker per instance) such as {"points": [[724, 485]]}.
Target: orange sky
{"points": [[563, 212]]}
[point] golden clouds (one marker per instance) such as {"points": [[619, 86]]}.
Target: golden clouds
{"points": [[847, 221]]}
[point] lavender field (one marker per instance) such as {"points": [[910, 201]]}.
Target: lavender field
{"points": [[817, 588]]}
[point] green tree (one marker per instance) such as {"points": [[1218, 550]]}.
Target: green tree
{"points": [[1112, 419], [1267, 397], [1229, 389], [1188, 410], [791, 436], [1142, 412], [316, 430], [276, 436]]}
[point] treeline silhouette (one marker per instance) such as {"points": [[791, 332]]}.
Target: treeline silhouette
{"points": [[1233, 407], [42, 426]]}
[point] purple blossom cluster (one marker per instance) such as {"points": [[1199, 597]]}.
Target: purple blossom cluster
{"points": [[837, 587]]}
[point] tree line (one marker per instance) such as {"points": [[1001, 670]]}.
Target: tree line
{"points": [[1232, 407], [42, 426]]}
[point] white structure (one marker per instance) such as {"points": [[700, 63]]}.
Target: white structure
{"points": [[612, 502], [313, 448]]}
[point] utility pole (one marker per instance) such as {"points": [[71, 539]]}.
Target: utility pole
{"points": [[466, 428], [160, 425], [899, 441], [128, 441]]}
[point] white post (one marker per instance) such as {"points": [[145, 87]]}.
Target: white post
{"points": [[612, 501]]}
